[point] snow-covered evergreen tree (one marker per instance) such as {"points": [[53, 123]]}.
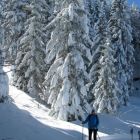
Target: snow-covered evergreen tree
{"points": [[135, 20], [99, 40], [121, 30], [105, 87], [4, 85], [68, 55], [30, 64], [14, 16], [106, 90], [93, 8], [1, 36]]}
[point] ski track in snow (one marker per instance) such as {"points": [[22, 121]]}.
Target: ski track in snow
{"points": [[23, 118], [131, 123]]}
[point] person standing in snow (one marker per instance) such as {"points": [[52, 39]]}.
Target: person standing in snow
{"points": [[93, 122]]}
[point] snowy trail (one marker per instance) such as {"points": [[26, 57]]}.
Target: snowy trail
{"points": [[25, 119], [133, 119]]}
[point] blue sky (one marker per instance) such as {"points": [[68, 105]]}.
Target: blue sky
{"points": [[137, 2]]}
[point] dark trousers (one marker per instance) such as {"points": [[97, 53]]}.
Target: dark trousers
{"points": [[94, 132]]}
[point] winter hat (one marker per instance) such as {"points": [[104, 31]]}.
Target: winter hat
{"points": [[93, 111]]}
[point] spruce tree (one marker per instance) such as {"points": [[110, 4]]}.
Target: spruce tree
{"points": [[4, 85], [121, 33], [106, 90], [68, 55], [99, 40], [1, 29], [30, 63], [14, 16], [93, 8]]}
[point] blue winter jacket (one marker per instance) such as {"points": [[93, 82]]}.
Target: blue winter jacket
{"points": [[93, 121]]}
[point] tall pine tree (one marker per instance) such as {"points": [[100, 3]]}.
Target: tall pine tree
{"points": [[103, 72], [121, 31], [30, 63], [14, 16], [99, 40], [106, 90], [4, 81], [93, 8], [68, 54]]}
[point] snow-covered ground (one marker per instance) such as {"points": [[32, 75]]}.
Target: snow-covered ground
{"points": [[22, 118]]}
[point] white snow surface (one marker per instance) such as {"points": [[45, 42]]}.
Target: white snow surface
{"points": [[22, 118]]}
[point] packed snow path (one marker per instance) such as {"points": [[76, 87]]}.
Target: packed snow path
{"points": [[22, 118], [25, 119]]}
